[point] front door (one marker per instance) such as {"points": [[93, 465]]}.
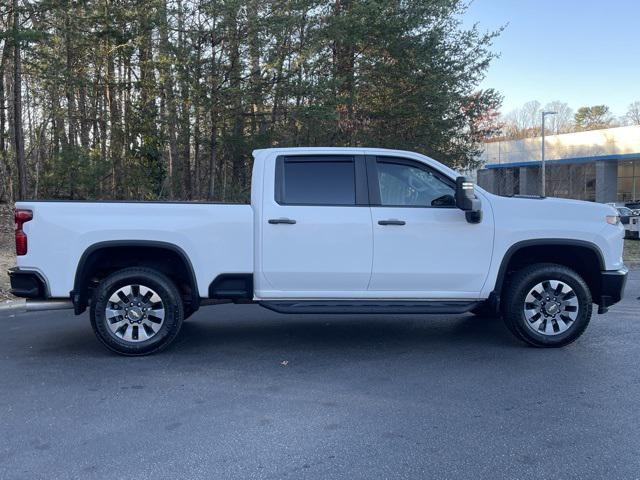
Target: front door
{"points": [[423, 245], [317, 237]]}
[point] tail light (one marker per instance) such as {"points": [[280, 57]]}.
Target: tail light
{"points": [[21, 217]]}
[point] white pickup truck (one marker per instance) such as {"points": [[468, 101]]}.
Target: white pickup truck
{"points": [[329, 230]]}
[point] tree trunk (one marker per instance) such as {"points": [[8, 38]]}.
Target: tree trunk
{"points": [[213, 134], [344, 62], [5, 168], [18, 140], [170, 116]]}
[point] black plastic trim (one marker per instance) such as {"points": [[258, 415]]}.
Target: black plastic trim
{"points": [[612, 283], [371, 306], [79, 292], [28, 284], [232, 286]]}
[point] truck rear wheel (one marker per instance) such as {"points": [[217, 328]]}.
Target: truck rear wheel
{"points": [[136, 311], [547, 305]]}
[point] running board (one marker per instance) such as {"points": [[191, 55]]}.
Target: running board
{"points": [[369, 307]]}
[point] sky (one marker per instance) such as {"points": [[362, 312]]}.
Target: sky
{"points": [[580, 52]]}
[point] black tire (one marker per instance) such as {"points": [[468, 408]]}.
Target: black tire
{"points": [[522, 282], [159, 283]]}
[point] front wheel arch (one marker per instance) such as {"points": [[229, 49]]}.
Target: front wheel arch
{"points": [[581, 256]]}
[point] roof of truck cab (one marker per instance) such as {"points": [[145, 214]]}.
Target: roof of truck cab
{"points": [[359, 150], [263, 153]]}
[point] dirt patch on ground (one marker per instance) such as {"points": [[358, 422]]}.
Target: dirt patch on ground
{"points": [[7, 248], [632, 252]]}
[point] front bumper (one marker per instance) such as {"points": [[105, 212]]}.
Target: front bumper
{"points": [[27, 284], [612, 284]]}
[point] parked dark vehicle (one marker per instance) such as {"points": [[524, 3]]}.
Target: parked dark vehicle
{"points": [[635, 206], [625, 214]]}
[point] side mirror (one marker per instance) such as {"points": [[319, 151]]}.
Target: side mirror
{"points": [[467, 201]]}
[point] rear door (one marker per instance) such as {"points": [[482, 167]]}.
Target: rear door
{"points": [[423, 245], [317, 240]]}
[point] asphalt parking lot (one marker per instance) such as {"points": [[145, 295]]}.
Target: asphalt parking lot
{"points": [[247, 393]]}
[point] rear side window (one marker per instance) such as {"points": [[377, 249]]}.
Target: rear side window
{"points": [[317, 181]]}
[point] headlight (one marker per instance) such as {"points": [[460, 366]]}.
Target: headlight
{"points": [[613, 219]]}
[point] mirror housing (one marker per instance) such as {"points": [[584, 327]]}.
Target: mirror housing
{"points": [[467, 201]]}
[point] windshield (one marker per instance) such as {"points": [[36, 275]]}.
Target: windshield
{"points": [[625, 211]]}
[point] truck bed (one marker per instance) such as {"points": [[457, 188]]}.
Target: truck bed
{"points": [[218, 238]]}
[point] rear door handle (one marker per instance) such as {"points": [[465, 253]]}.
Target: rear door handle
{"points": [[391, 222], [286, 221]]}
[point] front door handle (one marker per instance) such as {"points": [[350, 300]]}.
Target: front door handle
{"points": [[286, 221], [391, 222]]}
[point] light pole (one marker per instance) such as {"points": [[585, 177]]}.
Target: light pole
{"points": [[543, 189]]}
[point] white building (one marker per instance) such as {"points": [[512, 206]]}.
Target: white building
{"points": [[597, 165]]}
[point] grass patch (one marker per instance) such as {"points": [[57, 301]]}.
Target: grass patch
{"points": [[632, 252]]}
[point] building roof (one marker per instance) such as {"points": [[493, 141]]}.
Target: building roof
{"points": [[604, 144]]}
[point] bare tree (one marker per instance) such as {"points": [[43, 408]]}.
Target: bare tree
{"points": [[633, 113], [562, 121], [523, 122]]}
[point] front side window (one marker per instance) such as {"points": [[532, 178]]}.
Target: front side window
{"points": [[405, 185], [329, 181]]}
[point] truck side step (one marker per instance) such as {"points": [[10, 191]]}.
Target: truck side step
{"points": [[370, 307]]}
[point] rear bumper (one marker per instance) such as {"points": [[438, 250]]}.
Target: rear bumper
{"points": [[27, 284], [612, 284]]}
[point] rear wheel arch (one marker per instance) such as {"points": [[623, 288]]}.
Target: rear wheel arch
{"points": [[103, 258]]}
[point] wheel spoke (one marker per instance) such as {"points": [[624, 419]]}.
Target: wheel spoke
{"points": [[117, 325], [562, 325], [566, 319], [536, 325], [148, 329], [122, 296], [128, 333], [113, 312], [558, 289], [121, 331], [145, 294], [548, 328], [536, 294], [156, 315]]}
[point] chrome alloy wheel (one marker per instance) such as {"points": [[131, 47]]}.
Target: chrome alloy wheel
{"points": [[550, 307], [135, 313]]}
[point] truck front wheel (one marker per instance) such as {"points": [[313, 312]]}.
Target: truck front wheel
{"points": [[136, 311], [547, 305]]}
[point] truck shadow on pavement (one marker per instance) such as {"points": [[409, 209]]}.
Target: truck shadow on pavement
{"points": [[249, 329], [321, 332]]}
